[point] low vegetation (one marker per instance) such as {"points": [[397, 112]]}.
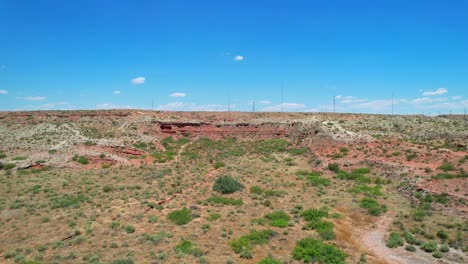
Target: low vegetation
{"points": [[180, 217]]}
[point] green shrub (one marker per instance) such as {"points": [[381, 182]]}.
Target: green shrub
{"points": [[361, 171], [80, 159], [429, 247], [437, 254], [372, 206], [157, 238], [314, 214], [180, 217], [410, 239], [313, 218], [9, 254], [2, 155], [297, 151], [278, 219], [444, 248], [424, 209], [224, 200], [442, 198], [442, 234], [246, 242], [367, 190], [67, 200], [152, 219], [411, 156], [8, 166], [410, 248], [19, 158], [311, 250], [395, 240], [107, 188], [256, 190], [446, 167], [219, 164], [316, 180], [334, 167], [269, 260], [129, 229], [213, 217], [226, 185], [323, 228], [188, 248], [443, 176], [246, 254]]}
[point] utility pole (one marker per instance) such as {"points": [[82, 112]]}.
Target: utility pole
{"points": [[152, 104], [253, 107], [464, 113], [334, 104]]}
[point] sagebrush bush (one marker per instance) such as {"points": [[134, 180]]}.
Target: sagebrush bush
{"points": [[429, 247], [226, 185], [372, 206], [395, 240], [219, 164], [311, 250], [180, 217], [245, 243], [278, 219], [334, 167], [188, 248], [224, 200], [269, 260]]}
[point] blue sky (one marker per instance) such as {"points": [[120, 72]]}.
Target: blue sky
{"points": [[190, 55]]}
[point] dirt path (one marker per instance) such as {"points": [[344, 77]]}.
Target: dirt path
{"points": [[374, 242]]}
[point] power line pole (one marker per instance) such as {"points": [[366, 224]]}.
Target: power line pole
{"points": [[152, 104], [334, 104], [253, 107], [464, 113]]}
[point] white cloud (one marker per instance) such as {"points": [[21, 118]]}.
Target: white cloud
{"points": [[374, 105], [113, 106], [427, 100], [32, 98], [56, 106], [458, 97], [116, 92], [49, 106], [436, 92], [181, 106], [138, 80], [3, 92], [284, 106], [239, 58], [265, 102], [350, 99], [352, 104], [178, 95]]}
